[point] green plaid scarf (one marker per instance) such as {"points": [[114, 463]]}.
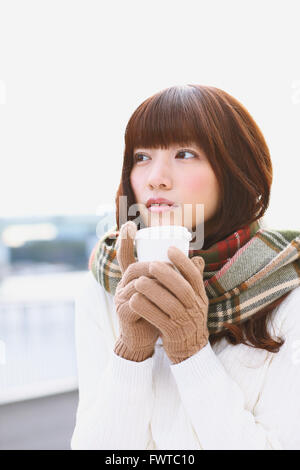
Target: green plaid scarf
{"points": [[243, 273]]}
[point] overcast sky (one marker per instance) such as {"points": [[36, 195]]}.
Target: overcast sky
{"points": [[73, 72]]}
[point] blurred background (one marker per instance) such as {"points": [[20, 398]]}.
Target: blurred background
{"points": [[71, 74]]}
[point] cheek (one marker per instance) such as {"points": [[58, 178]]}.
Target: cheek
{"points": [[195, 182], [203, 185], [200, 182]]}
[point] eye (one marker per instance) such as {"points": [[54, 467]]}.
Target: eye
{"points": [[186, 151], [137, 155]]}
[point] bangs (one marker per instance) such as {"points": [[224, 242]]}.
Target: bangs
{"points": [[172, 117]]}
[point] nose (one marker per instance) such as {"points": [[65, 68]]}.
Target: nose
{"points": [[160, 177]]}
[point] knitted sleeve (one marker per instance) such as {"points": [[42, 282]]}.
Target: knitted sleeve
{"points": [[216, 405], [115, 395]]}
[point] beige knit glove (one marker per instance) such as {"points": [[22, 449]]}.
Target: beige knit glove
{"points": [[137, 337], [176, 303]]}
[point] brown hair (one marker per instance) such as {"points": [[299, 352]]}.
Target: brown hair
{"points": [[238, 153]]}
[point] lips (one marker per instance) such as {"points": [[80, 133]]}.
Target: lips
{"points": [[159, 200]]}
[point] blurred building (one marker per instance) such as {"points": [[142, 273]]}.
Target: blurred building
{"points": [[4, 260], [44, 244]]}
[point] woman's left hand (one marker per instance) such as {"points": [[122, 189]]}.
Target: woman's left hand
{"points": [[175, 303]]}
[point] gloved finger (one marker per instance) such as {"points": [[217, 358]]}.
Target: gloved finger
{"points": [[147, 310], [128, 290], [174, 282], [126, 314], [125, 292], [161, 298], [186, 267], [199, 262], [125, 251], [135, 270]]}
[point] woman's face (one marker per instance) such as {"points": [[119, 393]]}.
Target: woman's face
{"points": [[180, 174]]}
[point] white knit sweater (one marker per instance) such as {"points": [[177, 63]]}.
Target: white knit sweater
{"points": [[223, 397]]}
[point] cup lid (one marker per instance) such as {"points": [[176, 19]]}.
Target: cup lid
{"points": [[164, 231]]}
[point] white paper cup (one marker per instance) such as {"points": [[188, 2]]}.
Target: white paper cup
{"points": [[152, 243]]}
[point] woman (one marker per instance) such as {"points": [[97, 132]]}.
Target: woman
{"points": [[205, 356]]}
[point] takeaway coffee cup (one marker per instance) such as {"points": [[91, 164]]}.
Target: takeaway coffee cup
{"points": [[152, 243]]}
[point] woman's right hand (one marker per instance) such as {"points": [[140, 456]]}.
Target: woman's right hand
{"points": [[137, 336]]}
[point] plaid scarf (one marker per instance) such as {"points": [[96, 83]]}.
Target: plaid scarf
{"points": [[243, 273]]}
